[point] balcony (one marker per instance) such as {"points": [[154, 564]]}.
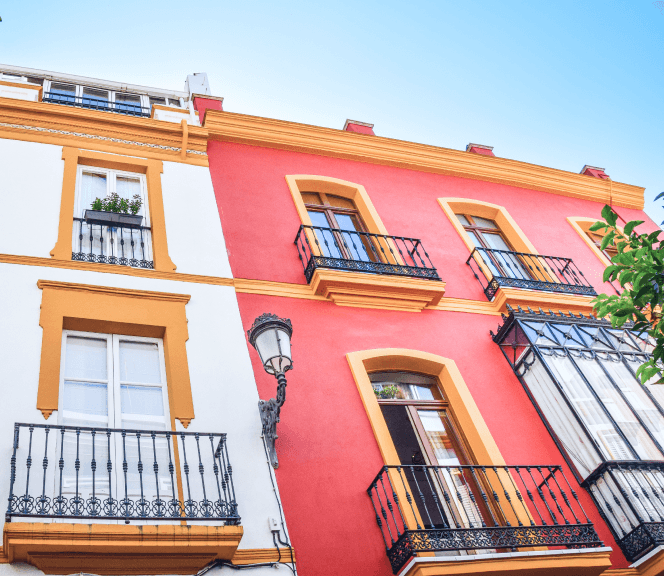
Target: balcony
{"points": [[92, 103], [448, 509], [630, 497], [362, 252], [495, 269], [119, 474], [122, 244]]}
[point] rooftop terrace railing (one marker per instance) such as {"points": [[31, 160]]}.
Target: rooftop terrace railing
{"points": [[120, 474], [498, 508], [503, 268], [337, 249], [93, 103]]}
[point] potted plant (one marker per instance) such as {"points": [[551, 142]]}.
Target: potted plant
{"points": [[115, 211], [387, 392]]}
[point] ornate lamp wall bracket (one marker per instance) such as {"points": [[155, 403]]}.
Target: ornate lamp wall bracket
{"points": [[270, 411]]}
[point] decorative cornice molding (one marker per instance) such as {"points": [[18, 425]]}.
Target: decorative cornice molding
{"points": [[127, 133], [267, 132], [112, 291], [113, 269]]}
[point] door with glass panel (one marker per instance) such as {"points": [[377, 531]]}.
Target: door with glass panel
{"points": [[111, 243], [339, 228], [424, 433], [486, 234], [113, 382]]}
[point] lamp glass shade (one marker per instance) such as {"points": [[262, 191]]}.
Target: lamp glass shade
{"points": [[273, 347]]}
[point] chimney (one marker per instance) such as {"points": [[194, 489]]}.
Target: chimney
{"points": [[480, 149], [197, 84], [594, 172], [360, 127]]}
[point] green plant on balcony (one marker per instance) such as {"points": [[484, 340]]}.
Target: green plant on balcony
{"points": [[115, 203]]}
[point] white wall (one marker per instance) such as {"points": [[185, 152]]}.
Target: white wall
{"points": [[223, 387], [195, 240], [31, 189]]}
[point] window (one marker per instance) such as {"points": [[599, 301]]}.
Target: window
{"points": [[596, 238], [112, 381], [111, 242], [164, 101], [496, 252], [62, 93], [338, 227], [423, 432]]}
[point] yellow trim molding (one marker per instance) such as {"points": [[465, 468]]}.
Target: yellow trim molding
{"points": [[118, 549], [588, 562], [270, 133], [259, 555], [539, 299], [582, 226], [67, 306], [73, 157], [25, 86], [375, 291], [106, 131], [499, 214], [481, 444], [355, 192]]}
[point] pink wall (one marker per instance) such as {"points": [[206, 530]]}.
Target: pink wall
{"points": [[259, 218], [326, 447], [327, 451]]}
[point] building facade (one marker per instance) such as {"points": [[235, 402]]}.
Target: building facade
{"points": [[130, 439], [454, 406]]}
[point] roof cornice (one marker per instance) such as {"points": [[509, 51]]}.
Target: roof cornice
{"points": [[80, 126], [270, 133]]}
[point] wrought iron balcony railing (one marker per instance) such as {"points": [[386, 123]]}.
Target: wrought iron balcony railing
{"points": [[96, 104], [115, 474], [498, 508], [337, 249], [126, 245], [496, 268], [630, 497]]}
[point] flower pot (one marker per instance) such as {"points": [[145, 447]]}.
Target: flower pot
{"points": [[113, 219]]}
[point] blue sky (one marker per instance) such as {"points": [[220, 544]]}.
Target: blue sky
{"points": [[556, 83]]}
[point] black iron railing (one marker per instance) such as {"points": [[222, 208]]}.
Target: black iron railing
{"points": [[452, 508], [338, 249], [93, 103], [630, 497], [496, 268], [112, 244], [108, 473]]}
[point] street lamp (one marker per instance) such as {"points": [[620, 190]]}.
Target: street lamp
{"points": [[270, 336]]}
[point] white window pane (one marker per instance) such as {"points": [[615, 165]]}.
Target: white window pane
{"points": [[85, 358], [127, 186], [484, 223], [142, 400], [495, 241], [92, 186], [139, 362], [86, 398], [463, 220]]}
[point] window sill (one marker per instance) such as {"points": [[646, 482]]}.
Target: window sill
{"points": [[361, 290], [58, 548], [537, 563]]}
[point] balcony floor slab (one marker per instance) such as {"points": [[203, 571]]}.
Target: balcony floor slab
{"points": [[584, 562]]}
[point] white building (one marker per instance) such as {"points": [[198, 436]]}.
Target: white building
{"points": [[130, 324]]}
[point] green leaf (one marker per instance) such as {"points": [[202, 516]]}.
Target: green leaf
{"points": [[598, 226], [631, 225], [609, 215], [608, 239]]}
